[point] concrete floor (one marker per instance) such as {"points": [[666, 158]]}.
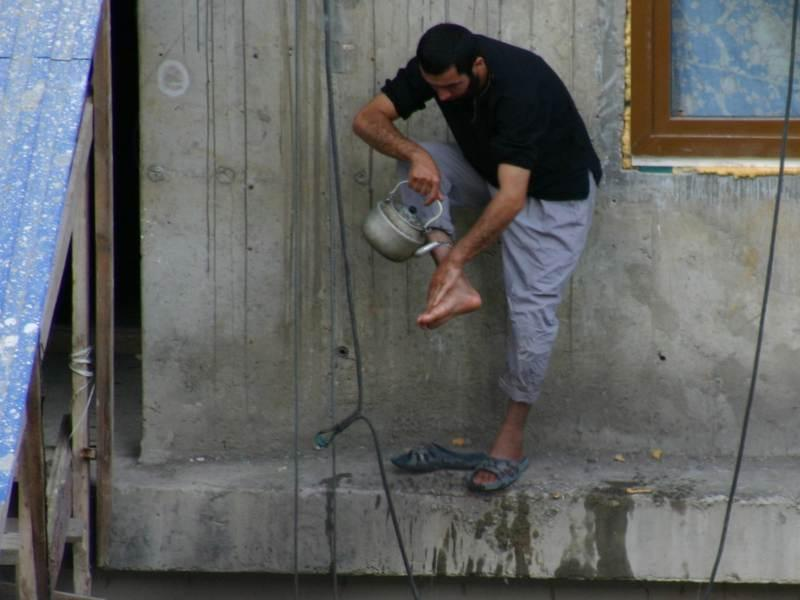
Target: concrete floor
{"points": [[685, 500]]}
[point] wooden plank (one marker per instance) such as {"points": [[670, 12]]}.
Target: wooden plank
{"points": [[75, 189], [32, 573], [104, 278], [80, 365], [59, 500]]}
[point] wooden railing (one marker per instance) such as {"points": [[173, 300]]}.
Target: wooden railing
{"points": [[53, 505]]}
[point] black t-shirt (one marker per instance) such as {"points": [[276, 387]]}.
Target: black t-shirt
{"points": [[523, 117]]}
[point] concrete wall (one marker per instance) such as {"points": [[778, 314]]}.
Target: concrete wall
{"points": [[658, 324]]}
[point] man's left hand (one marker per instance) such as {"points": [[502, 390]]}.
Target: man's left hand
{"points": [[443, 279]]}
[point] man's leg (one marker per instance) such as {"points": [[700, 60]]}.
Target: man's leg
{"points": [[462, 186], [541, 249]]}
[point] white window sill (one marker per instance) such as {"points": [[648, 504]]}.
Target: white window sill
{"points": [[706, 164]]}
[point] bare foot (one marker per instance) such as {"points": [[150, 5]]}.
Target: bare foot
{"points": [[462, 299], [509, 440]]}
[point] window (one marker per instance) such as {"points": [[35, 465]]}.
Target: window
{"points": [[709, 77]]}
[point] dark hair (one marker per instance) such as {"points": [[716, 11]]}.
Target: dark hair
{"points": [[447, 45]]}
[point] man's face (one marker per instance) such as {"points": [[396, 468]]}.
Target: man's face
{"points": [[452, 85]]}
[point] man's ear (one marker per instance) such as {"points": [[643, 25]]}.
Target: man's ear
{"points": [[478, 63]]}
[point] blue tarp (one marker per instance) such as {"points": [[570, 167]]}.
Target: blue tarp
{"points": [[46, 48]]}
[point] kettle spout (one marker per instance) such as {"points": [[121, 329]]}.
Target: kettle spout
{"points": [[422, 250]]}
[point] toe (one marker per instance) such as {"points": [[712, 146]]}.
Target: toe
{"points": [[484, 477]]}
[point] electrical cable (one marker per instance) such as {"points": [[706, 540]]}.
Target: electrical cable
{"points": [[296, 296], [326, 437], [333, 294], [770, 260]]}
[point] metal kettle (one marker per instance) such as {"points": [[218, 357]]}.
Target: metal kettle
{"points": [[395, 230]]}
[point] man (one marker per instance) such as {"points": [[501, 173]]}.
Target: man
{"points": [[524, 157]]}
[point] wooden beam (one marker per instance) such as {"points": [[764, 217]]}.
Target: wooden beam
{"points": [[59, 500], [104, 279], [75, 189], [80, 365], [32, 571]]}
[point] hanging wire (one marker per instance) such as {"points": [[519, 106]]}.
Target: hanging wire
{"points": [[333, 295], [81, 364], [325, 438], [296, 265], [770, 260]]}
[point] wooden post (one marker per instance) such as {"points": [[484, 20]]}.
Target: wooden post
{"points": [[75, 188], [59, 500], [104, 278], [80, 365], [32, 568]]}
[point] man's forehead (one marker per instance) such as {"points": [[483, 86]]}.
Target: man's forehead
{"points": [[451, 75]]}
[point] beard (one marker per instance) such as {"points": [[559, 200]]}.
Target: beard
{"points": [[472, 92], [474, 88]]}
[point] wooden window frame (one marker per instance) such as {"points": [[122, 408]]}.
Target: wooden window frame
{"points": [[656, 132]]}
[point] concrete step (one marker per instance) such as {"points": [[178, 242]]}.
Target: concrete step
{"points": [[568, 517]]}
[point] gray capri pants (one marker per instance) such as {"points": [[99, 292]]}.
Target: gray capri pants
{"points": [[541, 248]]}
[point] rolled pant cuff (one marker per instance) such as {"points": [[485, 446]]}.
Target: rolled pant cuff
{"points": [[519, 392]]}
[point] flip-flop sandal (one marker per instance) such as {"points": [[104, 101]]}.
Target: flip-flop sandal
{"points": [[505, 470], [433, 457]]}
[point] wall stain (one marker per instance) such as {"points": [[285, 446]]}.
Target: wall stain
{"points": [[331, 484], [513, 533], [611, 508], [479, 566], [484, 523], [440, 562], [571, 566], [606, 522], [453, 541], [470, 567]]}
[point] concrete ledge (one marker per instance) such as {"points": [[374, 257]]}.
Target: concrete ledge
{"points": [[570, 517]]}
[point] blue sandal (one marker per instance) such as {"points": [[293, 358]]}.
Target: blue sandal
{"points": [[507, 472], [434, 457]]}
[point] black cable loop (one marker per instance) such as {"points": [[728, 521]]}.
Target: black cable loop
{"points": [[770, 260], [325, 438]]}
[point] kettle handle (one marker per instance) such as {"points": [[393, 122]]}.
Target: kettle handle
{"points": [[440, 210], [439, 207]]}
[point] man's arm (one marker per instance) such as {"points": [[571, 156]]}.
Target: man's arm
{"points": [[501, 210], [374, 124]]}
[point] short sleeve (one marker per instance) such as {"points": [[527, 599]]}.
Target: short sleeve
{"points": [[519, 128], [408, 91]]}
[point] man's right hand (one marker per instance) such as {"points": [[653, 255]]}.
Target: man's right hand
{"points": [[374, 124], [424, 177]]}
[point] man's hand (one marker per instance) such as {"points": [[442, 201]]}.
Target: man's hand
{"points": [[374, 123], [442, 281], [424, 177], [449, 294]]}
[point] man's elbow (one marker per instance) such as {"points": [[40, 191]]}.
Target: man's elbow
{"points": [[361, 122], [516, 202]]}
